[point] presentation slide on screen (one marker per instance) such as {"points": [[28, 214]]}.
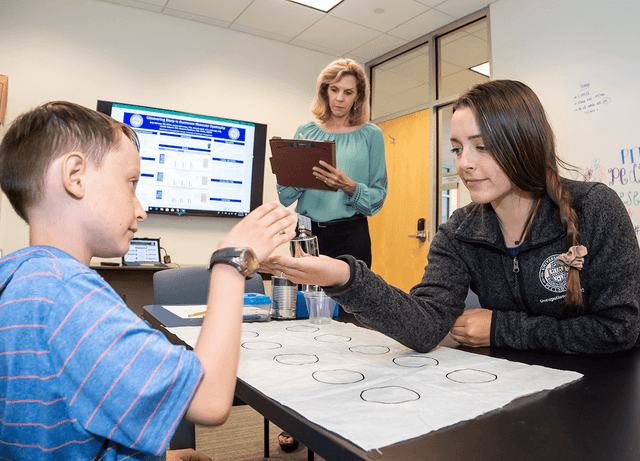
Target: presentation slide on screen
{"points": [[191, 162]]}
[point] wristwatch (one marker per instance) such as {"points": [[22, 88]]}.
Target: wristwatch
{"points": [[243, 259]]}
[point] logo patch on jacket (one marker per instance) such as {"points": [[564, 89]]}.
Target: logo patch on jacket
{"points": [[553, 276]]}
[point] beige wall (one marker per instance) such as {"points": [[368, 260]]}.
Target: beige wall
{"points": [[85, 50], [547, 43]]}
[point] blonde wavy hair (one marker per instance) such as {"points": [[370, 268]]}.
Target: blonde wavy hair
{"points": [[333, 73]]}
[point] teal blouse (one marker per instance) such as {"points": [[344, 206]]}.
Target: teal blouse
{"points": [[360, 155]]}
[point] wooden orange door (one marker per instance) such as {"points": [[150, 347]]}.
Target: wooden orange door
{"points": [[398, 259]]}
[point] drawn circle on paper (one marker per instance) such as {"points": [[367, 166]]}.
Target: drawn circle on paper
{"points": [[370, 350], [296, 359], [338, 376], [389, 395], [261, 345], [471, 376], [249, 334], [333, 339], [302, 329], [415, 361]]}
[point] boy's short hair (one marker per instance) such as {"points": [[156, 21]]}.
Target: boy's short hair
{"points": [[39, 136]]}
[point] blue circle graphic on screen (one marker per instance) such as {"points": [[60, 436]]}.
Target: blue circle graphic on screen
{"points": [[234, 133], [136, 120]]}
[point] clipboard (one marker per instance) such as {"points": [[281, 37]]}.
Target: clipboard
{"points": [[292, 161]]}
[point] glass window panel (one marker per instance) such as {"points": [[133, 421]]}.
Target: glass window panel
{"points": [[447, 185], [401, 84], [452, 192], [458, 52]]}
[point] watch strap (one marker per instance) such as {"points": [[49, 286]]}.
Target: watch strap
{"points": [[242, 258]]}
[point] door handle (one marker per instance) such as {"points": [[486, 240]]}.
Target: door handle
{"points": [[420, 234]]}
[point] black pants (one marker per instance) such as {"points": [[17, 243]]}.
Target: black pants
{"points": [[350, 237], [344, 238]]}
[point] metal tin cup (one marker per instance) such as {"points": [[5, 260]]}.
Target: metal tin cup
{"points": [[284, 295]]}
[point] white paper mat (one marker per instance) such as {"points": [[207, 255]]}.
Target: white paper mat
{"points": [[371, 390]]}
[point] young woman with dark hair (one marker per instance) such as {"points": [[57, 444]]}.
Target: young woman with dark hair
{"points": [[555, 262]]}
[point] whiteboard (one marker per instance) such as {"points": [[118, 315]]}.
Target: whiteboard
{"points": [[604, 131]]}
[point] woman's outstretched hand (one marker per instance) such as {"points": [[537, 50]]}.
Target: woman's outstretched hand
{"points": [[311, 270]]}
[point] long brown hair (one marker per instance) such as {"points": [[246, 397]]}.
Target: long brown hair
{"points": [[333, 73], [518, 135]]}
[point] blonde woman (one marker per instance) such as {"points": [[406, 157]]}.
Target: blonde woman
{"points": [[341, 110]]}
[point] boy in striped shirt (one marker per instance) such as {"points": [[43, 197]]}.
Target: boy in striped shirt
{"points": [[81, 376]]}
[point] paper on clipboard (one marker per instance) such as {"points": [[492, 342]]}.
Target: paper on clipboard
{"points": [[292, 161]]}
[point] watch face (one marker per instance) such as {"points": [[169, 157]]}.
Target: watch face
{"points": [[243, 259], [250, 262]]}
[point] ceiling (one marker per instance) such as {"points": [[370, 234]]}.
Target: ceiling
{"points": [[360, 29]]}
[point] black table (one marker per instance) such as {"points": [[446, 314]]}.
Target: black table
{"points": [[594, 418]]}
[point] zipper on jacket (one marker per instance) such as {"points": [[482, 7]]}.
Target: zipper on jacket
{"points": [[519, 282], [516, 271]]}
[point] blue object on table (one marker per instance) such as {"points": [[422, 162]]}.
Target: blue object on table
{"points": [[256, 308], [301, 307]]}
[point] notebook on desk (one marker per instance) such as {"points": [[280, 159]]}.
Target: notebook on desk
{"points": [[143, 252]]}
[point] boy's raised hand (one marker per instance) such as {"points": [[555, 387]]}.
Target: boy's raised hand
{"points": [[261, 230]]}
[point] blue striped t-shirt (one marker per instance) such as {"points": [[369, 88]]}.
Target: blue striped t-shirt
{"points": [[81, 376]]}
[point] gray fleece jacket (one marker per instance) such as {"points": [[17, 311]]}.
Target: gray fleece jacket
{"points": [[525, 293]]}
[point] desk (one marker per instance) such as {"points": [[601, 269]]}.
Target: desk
{"points": [[134, 284], [594, 418]]}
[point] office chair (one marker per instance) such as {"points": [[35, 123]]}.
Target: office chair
{"points": [[190, 285]]}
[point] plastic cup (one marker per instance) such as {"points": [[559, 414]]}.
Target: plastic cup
{"points": [[320, 307]]}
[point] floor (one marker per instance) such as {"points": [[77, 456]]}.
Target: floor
{"points": [[241, 438]]}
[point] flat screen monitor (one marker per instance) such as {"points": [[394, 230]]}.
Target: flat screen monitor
{"points": [[195, 164]]}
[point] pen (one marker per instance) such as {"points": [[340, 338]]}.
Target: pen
{"points": [[197, 314]]}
